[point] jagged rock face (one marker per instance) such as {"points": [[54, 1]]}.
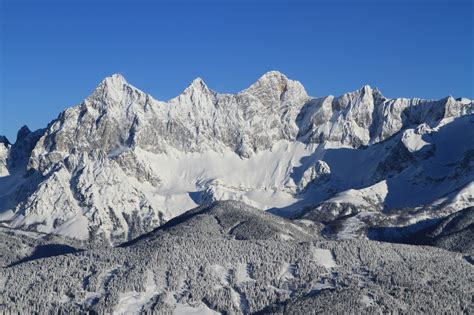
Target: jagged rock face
{"points": [[365, 116], [122, 163], [20, 151], [118, 116], [4, 152], [4, 141], [320, 170]]}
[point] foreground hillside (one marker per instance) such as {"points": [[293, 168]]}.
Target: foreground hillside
{"points": [[219, 270]]}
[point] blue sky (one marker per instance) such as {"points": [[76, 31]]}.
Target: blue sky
{"points": [[54, 53]]}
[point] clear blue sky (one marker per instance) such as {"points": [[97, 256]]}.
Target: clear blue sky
{"points": [[53, 53]]}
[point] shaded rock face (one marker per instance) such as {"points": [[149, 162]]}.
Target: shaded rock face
{"points": [[454, 232], [20, 151], [4, 152], [4, 141], [100, 170], [319, 171]]}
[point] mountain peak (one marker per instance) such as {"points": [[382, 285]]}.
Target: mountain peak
{"points": [[203, 146], [115, 80], [110, 88], [272, 87], [197, 85], [4, 140], [22, 133], [366, 88], [270, 81], [273, 74]]}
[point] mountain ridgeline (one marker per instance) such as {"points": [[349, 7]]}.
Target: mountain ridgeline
{"points": [[121, 163]]}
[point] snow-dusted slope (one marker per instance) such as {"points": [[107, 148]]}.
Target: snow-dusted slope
{"points": [[454, 232], [230, 220], [4, 152], [402, 185], [121, 163]]}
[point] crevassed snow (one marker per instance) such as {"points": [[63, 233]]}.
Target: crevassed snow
{"points": [[191, 170]]}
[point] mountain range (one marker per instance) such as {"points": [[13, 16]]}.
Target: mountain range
{"points": [[268, 201], [122, 163]]}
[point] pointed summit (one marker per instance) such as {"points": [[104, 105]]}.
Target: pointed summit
{"points": [[273, 75], [22, 133], [197, 84], [197, 93], [270, 79], [114, 81], [377, 92], [274, 87], [197, 87], [111, 88], [4, 140], [369, 91], [366, 89]]}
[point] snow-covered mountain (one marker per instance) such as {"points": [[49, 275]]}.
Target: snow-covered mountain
{"points": [[122, 163]]}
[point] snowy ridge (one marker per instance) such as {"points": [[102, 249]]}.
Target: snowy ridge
{"points": [[122, 163]]}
